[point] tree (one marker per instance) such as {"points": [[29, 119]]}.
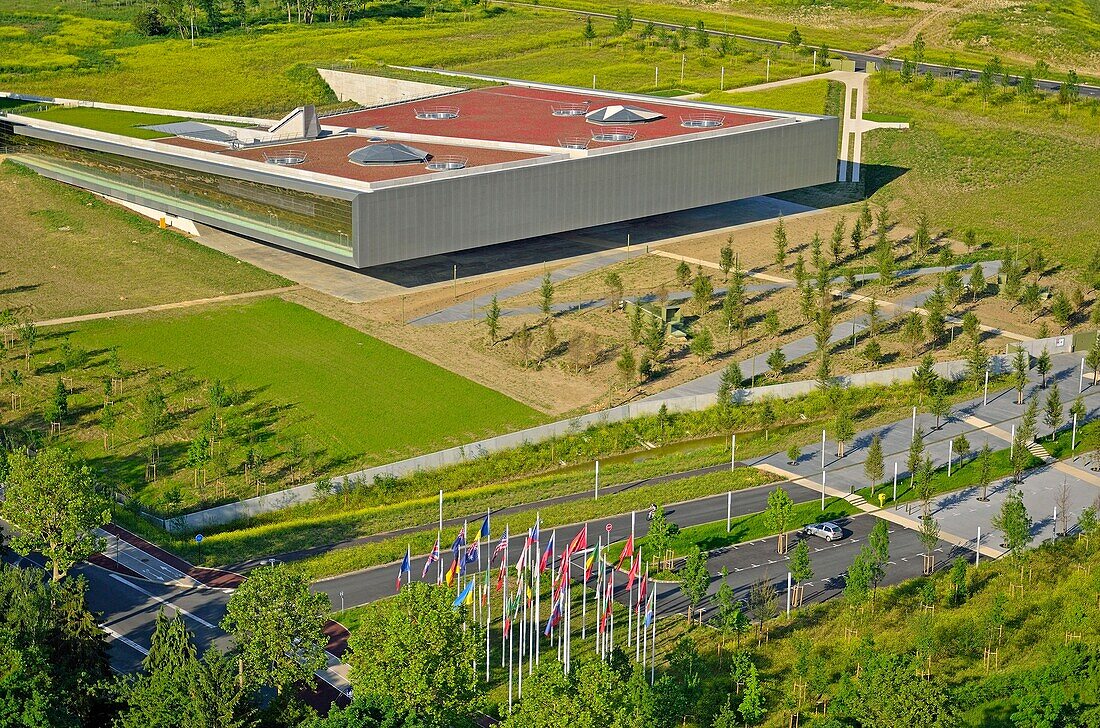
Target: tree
{"points": [[958, 581], [918, 48], [1070, 89], [589, 32], [961, 446], [1092, 359], [766, 413], [929, 533], [778, 516], [872, 352], [843, 429], [857, 581], [729, 616], [660, 533], [873, 466], [277, 625], [1088, 525], [694, 579], [160, 697], [1077, 409], [925, 378], [816, 258], [751, 707], [887, 694], [836, 242], [725, 258], [799, 270], [916, 452], [1020, 365], [921, 237], [522, 340], [627, 366], [546, 289], [1053, 416], [549, 340], [492, 319], [777, 362], [913, 331], [779, 237], [683, 273], [701, 292], [702, 343], [614, 283], [771, 323], [879, 542], [1028, 421], [420, 656], [1061, 309], [729, 383], [57, 408], [56, 504], [977, 281], [1043, 366], [28, 333], [1014, 522], [799, 566], [794, 454], [939, 405]]}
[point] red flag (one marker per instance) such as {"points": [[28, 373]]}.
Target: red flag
{"points": [[579, 543], [642, 591], [633, 573], [628, 550]]}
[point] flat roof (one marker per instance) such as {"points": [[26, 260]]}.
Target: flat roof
{"points": [[523, 115]]}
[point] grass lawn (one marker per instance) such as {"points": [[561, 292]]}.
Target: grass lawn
{"points": [[304, 396], [807, 97], [66, 252], [126, 123], [1011, 169]]}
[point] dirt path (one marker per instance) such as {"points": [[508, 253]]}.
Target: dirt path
{"points": [[165, 306], [932, 13]]}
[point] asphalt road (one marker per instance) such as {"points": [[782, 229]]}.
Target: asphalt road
{"points": [[362, 587]]}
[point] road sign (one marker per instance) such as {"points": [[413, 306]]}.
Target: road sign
{"points": [[608, 528], [198, 538]]}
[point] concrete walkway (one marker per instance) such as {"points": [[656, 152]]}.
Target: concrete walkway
{"points": [[853, 125]]}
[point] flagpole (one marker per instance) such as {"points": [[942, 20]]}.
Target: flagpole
{"points": [[439, 577], [645, 639], [504, 614], [630, 592], [536, 648], [522, 637], [611, 617], [653, 660]]}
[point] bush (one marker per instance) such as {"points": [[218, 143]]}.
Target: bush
{"points": [[149, 23]]}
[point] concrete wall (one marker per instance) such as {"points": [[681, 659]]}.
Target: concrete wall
{"points": [[141, 109], [282, 499], [376, 90], [470, 210]]}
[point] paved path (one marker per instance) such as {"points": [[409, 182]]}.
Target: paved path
{"points": [[165, 306]]}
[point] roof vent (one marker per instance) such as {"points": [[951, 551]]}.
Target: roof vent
{"points": [[392, 153], [702, 120], [376, 139], [285, 157], [446, 162], [618, 114], [436, 113], [574, 143], [613, 135], [569, 109]]}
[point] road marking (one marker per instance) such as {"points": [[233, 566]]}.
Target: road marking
{"points": [[162, 600], [124, 640]]}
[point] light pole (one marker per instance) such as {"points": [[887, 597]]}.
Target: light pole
{"points": [[823, 449], [1073, 439], [823, 491], [914, 434], [1081, 378], [895, 484], [985, 395], [341, 601]]}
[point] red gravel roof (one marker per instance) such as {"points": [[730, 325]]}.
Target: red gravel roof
{"points": [[520, 114], [330, 156]]}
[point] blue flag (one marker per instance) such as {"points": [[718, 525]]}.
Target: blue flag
{"points": [[465, 594]]}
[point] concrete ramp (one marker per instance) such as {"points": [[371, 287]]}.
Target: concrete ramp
{"points": [[298, 124]]}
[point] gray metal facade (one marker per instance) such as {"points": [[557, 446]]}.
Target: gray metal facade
{"points": [[445, 212]]}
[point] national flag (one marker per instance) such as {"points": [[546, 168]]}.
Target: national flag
{"points": [[533, 534], [633, 574], [642, 591], [577, 545], [501, 545], [521, 562], [465, 595], [459, 542], [500, 576], [406, 570], [484, 532], [649, 607], [593, 558], [609, 604], [432, 558], [555, 616], [473, 552], [453, 571], [547, 554], [628, 550]]}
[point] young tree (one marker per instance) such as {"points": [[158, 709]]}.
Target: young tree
{"points": [[799, 271], [1092, 359], [767, 415], [56, 505], [921, 236], [929, 533], [780, 239], [872, 352], [702, 343], [694, 580], [1028, 421], [777, 362], [57, 408], [492, 319], [589, 33], [873, 466], [857, 583], [278, 625], [701, 292], [683, 273], [1043, 365], [836, 242], [925, 378], [160, 696], [1015, 523], [843, 429], [522, 340], [800, 567], [627, 366], [1020, 365], [751, 707], [549, 340], [1053, 415], [939, 405], [729, 383], [421, 657], [28, 334], [546, 294], [816, 258], [614, 283], [725, 258], [977, 282], [794, 454], [913, 331], [778, 516], [771, 323], [961, 447], [660, 533], [1078, 410], [1061, 309], [916, 452]]}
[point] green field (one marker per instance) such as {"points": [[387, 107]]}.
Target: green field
{"points": [[65, 252], [126, 123], [300, 396], [808, 97], [1012, 169]]}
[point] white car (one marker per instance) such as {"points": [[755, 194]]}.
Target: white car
{"points": [[827, 530]]}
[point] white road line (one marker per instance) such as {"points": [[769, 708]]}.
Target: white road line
{"points": [[124, 640], [162, 600]]}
